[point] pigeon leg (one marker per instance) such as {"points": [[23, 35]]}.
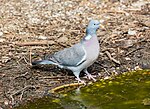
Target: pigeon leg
{"points": [[78, 79], [89, 75]]}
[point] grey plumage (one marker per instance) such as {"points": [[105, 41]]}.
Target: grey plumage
{"points": [[80, 56], [69, 56]]}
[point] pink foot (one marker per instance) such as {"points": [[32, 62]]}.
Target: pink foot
{"points": [[91, 77]]}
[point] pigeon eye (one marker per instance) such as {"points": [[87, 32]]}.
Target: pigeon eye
{"points": [[94, 24]]}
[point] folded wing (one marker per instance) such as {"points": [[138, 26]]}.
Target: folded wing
{"points": [[72, 56]]}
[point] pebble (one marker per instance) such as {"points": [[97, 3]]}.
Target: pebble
{"points": [[5, 59], [42, 37], [62, 39], [127, 58], [2, 40], [6, 102], [131, 32], [1, 33], [147, 23], [107, 77]]}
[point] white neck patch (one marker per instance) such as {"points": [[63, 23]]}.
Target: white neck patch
{"points": [[88, 37]]}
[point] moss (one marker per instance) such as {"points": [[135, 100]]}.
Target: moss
{"points": [[128, 90]]}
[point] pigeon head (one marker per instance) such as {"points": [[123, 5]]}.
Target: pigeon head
{"points": [[92, 27]]}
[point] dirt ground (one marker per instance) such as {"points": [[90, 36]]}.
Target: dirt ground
{"points": [[30, 29]]}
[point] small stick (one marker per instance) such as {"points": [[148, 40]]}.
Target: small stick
{"points": [[21, 90], [106, 71], [34, 43], [134, 51], [118, 11], [22, 75], [55, 77], [25, 88], [25, 60], [64, 86], [3, 65], [12, 99], [21, 95], [111, 58], [30, 52]]}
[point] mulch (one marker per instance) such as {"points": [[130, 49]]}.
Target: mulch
{"points": [[31, 29]]}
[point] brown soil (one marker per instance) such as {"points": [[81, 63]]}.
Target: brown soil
{"points": [[29, 29]]}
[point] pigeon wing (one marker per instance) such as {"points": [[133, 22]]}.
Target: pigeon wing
{"points": [[72, 56]]}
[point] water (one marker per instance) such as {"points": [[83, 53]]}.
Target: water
{"points": [[127, 91]]}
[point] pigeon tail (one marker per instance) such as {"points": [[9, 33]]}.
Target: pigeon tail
{"points": [[42, 62]]}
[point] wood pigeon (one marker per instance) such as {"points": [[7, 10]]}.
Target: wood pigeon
{"points": [[80, 56]]}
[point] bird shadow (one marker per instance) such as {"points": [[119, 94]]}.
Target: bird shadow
{"points": [[56, 69]]}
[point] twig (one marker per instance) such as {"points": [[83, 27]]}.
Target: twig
{"points": [[12, 99], [111, 58], [34, 43], [132, 9], [30, 52], [25, 60], [118, 11], [55, 77], [21, 95], [17, 92], [103, 67], [104, 40], [3, 65], [63, 45], [25, 88], [22, 75], [64, 86], [106, 71], [134, 51]]}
